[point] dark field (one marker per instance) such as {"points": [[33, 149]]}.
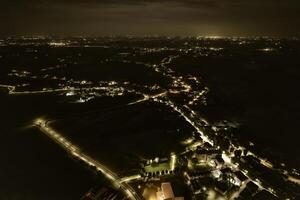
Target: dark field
{"points": [[32, 166], [122, 136]]}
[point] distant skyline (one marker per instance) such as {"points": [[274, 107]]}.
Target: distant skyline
{"points": [[280, 18]]}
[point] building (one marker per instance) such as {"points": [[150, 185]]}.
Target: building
{"points": [[166, 193]]}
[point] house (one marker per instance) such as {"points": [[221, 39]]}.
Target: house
{"points": [[166, 193]]}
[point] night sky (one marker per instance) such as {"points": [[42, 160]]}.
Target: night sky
{"points": [[140, 17]]}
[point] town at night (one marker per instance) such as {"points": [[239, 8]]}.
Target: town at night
{"points": [[149, 100]]}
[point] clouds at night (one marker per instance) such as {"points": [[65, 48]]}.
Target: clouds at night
{"points": [[138, 17]]}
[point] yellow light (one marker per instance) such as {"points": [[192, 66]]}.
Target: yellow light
{"points": [[173, 161]]}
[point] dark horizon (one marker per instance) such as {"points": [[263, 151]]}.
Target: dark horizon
{"points": [[209, 37], [132, 17]]}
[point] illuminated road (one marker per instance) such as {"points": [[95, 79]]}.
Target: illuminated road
{"points": [[190, 121], [294, 180], [119, 183], [148, 97], [12, 90], [130, 178]]}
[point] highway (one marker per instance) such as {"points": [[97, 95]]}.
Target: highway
{"points": [[119, 183]]}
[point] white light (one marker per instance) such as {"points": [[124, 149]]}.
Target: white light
{"points": [[226, 158], [216, 173]]}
